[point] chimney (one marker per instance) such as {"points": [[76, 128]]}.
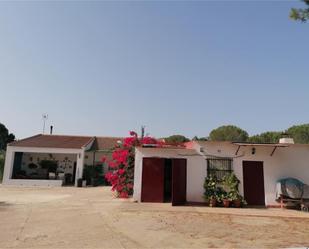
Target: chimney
{"points": [[286, 139], [51, 130]]}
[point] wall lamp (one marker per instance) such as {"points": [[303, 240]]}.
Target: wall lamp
{"points": [[253, 151]]}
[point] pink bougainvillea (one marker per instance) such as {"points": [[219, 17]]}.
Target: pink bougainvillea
{"points": [[121, 174]]}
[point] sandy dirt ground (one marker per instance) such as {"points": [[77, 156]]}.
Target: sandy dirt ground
{"points": [[71, 217]]}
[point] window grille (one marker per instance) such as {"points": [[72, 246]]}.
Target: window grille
{"points": [[219, 167]]}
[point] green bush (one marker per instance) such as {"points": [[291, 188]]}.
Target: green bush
{"points": [[95, 172]]}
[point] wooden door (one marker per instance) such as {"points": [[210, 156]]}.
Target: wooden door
{"points": [[253, 175], [153, 180], [179, 181]]}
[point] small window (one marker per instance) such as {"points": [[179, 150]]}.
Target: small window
{"points": [[219, 167]]}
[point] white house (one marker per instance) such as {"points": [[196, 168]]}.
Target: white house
{"points": [[70, 154], [177, 174]]}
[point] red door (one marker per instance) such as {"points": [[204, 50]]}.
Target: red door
{"points": [[179, 181], [153, 180], [253, 176]]}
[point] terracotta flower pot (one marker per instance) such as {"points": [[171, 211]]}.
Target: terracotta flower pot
{"points": [[237, 203], [226, 203], [212, 202]]}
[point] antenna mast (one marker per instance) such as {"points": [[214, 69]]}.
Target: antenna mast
{"points": [[143, 131], [44, 117]]}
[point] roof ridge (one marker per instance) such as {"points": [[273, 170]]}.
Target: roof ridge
{"points": [[59, 135], [107, 137]]}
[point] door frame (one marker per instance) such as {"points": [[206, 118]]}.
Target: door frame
{"points": [[260, 201]]}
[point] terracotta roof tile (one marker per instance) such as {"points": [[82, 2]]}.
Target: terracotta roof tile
{"points": [[54, 141], [105, 143]]}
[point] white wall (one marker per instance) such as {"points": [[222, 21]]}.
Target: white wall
{"points": [[196, 170], [80, 161], [98, 158], [8, 164]]}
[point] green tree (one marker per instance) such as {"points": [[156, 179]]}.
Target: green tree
{"points": [[300, 14], [228, 133], [5, 137], [266, 137], [176, 139], [300, 133], [196, 138]]}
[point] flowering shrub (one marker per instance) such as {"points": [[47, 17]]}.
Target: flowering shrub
{"points": [[121, 174]]}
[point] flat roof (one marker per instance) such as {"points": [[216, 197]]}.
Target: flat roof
{"points": [[243, 143], [261, 144]]}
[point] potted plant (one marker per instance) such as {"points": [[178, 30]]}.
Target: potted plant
{"points": [[225, 199], [87, 174], [231, 183], [237, 199], [79, 182], [210, 194], [212, 201]]}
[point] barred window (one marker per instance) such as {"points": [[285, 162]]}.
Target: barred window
{"points": [[219, 167]]}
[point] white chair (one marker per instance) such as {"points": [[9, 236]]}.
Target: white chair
{"points": [[51, 175]]}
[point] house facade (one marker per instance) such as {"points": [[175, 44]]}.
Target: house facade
{"points": [[54, 160], [177, 174]]}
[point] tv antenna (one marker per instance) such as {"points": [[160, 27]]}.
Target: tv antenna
{"points": [[143, 127], [44, 117]]}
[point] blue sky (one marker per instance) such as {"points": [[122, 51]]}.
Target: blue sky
{"points": [[104, 68]]}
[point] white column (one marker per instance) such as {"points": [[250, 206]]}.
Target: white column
{"points": [[79, 165], [8, 165], [138, 168]]}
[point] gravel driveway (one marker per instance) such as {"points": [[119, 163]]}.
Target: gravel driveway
{"points": [[71, 217]]}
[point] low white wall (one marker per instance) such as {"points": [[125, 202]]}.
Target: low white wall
{"points": [[196, 170], [34, 183]]}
